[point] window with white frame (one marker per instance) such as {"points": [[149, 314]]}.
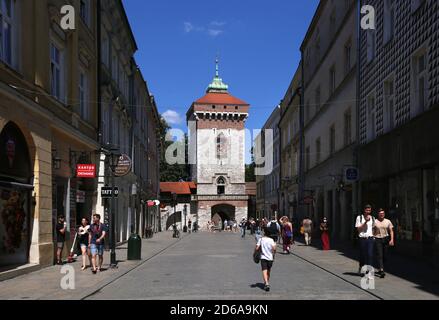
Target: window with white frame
{"points": [[371, 119], [371, 45], [84, 105], [57, 72], [389, 105], [389, 20], [7, 32], [420, 82]]}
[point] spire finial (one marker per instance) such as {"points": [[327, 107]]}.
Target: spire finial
{"points": [[216, 67]]}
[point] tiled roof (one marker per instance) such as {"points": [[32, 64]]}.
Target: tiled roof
{"points": [[181, 188], [220, 98]]}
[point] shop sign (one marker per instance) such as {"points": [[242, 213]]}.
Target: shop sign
{"points": [[85, 171], [123, 166]]}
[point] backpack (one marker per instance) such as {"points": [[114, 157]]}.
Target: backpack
{"points": [[273, 229]]}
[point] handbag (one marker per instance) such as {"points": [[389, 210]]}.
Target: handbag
{"points": [[257, 255]]}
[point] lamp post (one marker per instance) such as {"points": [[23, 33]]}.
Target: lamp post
{"points": [[174, 204], [185, 214], [113, 161]]}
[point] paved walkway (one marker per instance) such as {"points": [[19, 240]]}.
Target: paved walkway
{"points": [[45, 283], [405, 279]]}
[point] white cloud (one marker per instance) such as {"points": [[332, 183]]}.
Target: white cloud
{"points": [[218, 23], [214, 32], [172, 117], [214, 28], [188, 27]]}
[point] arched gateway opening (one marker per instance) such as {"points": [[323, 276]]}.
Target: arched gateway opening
{"points": [[15, 192], [222, 212]]}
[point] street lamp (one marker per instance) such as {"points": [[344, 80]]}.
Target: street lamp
{"points": [[185, 214], [113, 159]]}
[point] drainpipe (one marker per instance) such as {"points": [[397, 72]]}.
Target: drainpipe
{"points": [[301, 92], [99, 72], [357, 115]]}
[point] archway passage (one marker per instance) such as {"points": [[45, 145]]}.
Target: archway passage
{"points": [[173, 218], [222, 212], [15, 176]]}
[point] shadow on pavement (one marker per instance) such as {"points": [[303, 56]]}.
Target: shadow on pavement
{"points": [[408, 268], [258, 285]]}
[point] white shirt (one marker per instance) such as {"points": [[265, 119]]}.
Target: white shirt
{"points": [[369, 230], [267, 245]]}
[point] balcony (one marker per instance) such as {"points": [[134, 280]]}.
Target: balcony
{"points": [[223, 197]]}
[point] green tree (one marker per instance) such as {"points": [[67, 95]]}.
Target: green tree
{"points": [[175, 172]]}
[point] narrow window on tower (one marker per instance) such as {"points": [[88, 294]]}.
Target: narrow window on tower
{"points": [[221, 186], [221, 147]]}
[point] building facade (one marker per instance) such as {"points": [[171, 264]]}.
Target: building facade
{"points": [[329, 88], [63, 95], [48, 125], [267, 177], [398, 120], [217, 149], [290, 130]]}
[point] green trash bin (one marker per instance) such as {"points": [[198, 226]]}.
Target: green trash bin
{"points": [[134, 247]]}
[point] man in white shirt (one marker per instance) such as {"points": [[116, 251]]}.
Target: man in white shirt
{"points": [[268, 249], [365, 224]]}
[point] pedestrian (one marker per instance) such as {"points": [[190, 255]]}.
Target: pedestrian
{"points": [[96, 240], [225, 226], [83, 242], [61, 228], [243, 226], [287, 234], [307, 230], [364, 224], [324, 228], [267, 246], [235, 226], [208, 226], [384, 237], [274, 228], [189, 225]]}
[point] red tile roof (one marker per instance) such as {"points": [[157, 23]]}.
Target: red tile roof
{"points": [[177, 187], [220, 98]]}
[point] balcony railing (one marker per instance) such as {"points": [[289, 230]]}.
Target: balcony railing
{"points": [[223, 197]]}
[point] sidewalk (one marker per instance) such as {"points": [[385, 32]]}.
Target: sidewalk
{"points": [[45, 283], [405, 279]]}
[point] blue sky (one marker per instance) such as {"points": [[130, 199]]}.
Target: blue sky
{"points": [[257, 42]]}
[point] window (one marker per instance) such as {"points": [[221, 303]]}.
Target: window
{"points": [[56, 72], [307, 159], [6, 31], [221, 147], [83, 96], [420, 83], [389, 105], [84, 11], [348, 57], [318, 151], [371, 121], [333, 22], [389, 20], [371, 45], [318, 98], [332, 140], [106, 125], [221, 185], [416, 4], [332, 79], [105, 49], [347, 128]]}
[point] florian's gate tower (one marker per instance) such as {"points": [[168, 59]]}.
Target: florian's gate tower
{"points": [[217, 152]]}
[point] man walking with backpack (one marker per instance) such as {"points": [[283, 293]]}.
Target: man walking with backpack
{"points": [[274, 228], [365, 224]]}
